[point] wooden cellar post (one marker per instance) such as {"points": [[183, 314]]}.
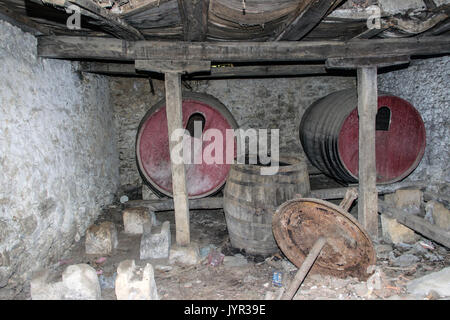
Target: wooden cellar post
{"points": [[367, 68], [173, 69]]}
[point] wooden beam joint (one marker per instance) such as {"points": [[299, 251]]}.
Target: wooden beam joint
{"points": [[365, 62], [173, 66]]}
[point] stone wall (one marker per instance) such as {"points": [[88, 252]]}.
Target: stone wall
{"points": [[255, 103], [58, 156], [280, 103], [425, 84]]}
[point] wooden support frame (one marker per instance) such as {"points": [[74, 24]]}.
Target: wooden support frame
{"points": [[129, 70], [174, 121], [173, 69], [361, 62], [367, 173], [64, 47], [367, 72], [164, 66]]}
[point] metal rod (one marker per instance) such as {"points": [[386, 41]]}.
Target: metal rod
{"points": [[304, 269]]}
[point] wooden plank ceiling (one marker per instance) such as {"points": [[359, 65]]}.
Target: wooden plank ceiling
{"points": [[231, 20]]}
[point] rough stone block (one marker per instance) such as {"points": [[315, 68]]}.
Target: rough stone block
{"points": [[101, 239], [42, 289], [155, 242], [79, 282], [407, 200], [437, 281], [82, 283], [135, 283], [188, 255], [395, 232], [440, 214], [134, 219]]}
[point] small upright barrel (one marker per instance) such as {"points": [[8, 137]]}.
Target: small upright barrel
{"points": [[251, 199], [329, 136]]}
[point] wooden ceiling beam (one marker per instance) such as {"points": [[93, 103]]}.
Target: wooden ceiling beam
{"points": [[194, 17], [23, 22], [108, 22], [129, 70], [305, 20], [65, 47]]}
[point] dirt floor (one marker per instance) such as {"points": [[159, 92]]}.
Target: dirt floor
{"points": [[253, 279]]}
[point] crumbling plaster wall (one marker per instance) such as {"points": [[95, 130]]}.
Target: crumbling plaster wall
{"points": [[425, 84], [58, 157], [255, 103]]}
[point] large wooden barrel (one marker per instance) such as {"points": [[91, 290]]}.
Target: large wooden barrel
{"points": [[329, 135], [152, 146], [251, 199]]}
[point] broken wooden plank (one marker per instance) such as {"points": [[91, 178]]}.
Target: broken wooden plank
{"points": [[339, 193], [124, 30], [367, 172], [168, 205], [65, 47], [178, 66], [306, 19], [416, 223], [120, 69]]}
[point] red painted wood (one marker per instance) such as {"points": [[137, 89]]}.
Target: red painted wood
{"points": [[398, 151], [155, 156]]}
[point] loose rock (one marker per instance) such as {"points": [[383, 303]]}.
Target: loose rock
{"points": [[155, 244], [135, 283], [409, 200], [134, 220], [79, 282], [405, 260], [188, 255], [437, 281], [101, 239], [440, 214], [395, 232], [82, 282]]}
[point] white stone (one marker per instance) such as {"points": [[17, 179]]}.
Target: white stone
{"points": [[187, 255], [395, 232], [155, 244], [439, 213], [82, 283], [79, 282], [409, 200], [101, 239], [41, 289], [437, 281], [135, 283], [134, 219]]}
